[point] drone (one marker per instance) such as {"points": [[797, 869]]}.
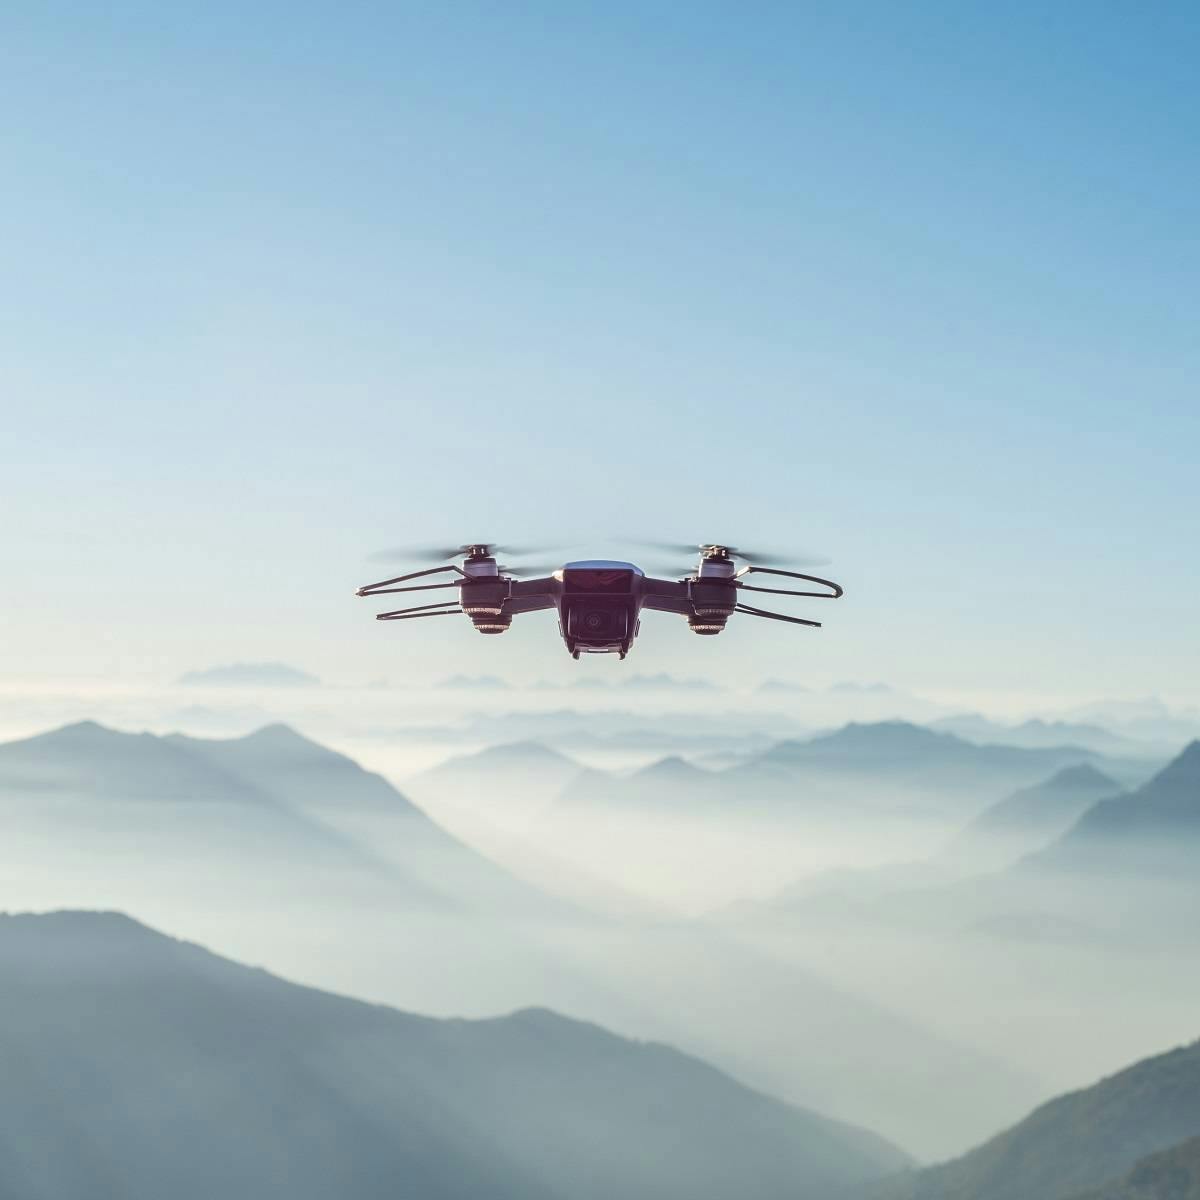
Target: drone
{"points": [[599, 601]]}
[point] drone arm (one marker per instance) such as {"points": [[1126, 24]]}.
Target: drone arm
{"points": [[771, 616], [666, 595], [525, 604], [444, 608], [385, 585], [531, 595], [835, 590]]}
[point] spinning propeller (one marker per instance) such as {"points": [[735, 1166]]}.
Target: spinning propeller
{"points": [[436, 554], [716, 550]]}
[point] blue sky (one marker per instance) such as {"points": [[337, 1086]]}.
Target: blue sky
{"points": [[909, 285]]}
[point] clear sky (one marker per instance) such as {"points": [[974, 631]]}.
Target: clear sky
{"points": [[909, 285]]}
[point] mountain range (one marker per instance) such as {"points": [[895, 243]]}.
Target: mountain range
{"points": [[271, 812], [1080, 1141], [871, 768], [293, 855], [918, 766], [1038, 732], [1152, 831], [1079, 856], [1030, 818], [139, 1067], [266, 674]]}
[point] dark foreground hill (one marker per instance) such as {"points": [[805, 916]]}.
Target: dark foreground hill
{"points": [[140, 1067], [1171, 1175], [1076, 1142]]}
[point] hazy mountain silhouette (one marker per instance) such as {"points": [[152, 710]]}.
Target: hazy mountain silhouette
{"points": [[1154, 830], [1076, 1142], [1148, 720], [139, 1067], [268, 808], [901, 770], [906, 749], [859, 769], [88, 759], [268, 674], [1037, 732], [1124, 871], [670, 784], [298, 772], [1030, 818], [513, 779], [775, 686], [1169, 1175], [570, 729], [672, 771]]}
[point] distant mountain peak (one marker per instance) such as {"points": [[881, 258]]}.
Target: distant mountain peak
{"points": [[279, 734], [261, 674], [84, 727], [85, 734], [673, 766], [526, 752], [1151, 830], [895, 733], [98, 920], [1081, 775]]}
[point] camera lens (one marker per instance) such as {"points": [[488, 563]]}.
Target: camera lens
{"points": [[597, 623]]}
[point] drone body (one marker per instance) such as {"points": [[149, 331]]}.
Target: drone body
{"points": [[599, 601]]}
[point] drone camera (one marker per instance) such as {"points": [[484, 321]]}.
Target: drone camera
{"points": [[590, 622]]}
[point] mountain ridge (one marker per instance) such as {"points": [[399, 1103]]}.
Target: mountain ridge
{"points": [[219, 1079], [1076, 1141]]}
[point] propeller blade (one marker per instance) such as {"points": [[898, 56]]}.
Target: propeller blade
{"points": [[761, 558], [771, 558], [535, 572], [416, 554], [668, 547], [436, 554]]}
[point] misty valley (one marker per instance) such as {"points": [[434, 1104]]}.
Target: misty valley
{"points": [[905, 959]]}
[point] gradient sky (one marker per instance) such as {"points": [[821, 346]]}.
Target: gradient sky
{"points": [[913, 286]]}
